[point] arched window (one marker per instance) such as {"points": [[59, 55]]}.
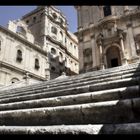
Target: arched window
{"points": [[34, 19], [107, 10], [19, 56], [53, 51], [54, 16], [61, 39], [65, 40], [54, 30], [61, 34], [60, 57], [37, 64], [14, 80]]}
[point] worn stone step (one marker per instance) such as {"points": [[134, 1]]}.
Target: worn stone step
{"points": [[74, 90], [58, 83], [61, 87], [90, 129], [68, 81], [51, 88], [118, 111], [98, 96]]}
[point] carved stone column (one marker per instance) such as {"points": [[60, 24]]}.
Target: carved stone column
{"points": [[124, 60], [81, 56], [99, 42]]}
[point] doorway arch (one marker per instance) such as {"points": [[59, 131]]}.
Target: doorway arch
{"points": [[113, 56]]}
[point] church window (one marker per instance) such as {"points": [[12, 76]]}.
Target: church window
{"points": [[60, 57], [53, 51], [71, 44], [34, 19], [19, 56], [61, 36], [37, 64], [54, 30], [54, 16], [65, 40], [107, 10]]}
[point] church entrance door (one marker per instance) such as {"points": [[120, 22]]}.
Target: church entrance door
{"points": [[113, 57]]}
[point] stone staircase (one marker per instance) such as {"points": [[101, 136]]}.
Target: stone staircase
{"points": [[100, 102]]}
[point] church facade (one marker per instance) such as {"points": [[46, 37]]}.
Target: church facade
{"points": [[38, 46], [109, 36]]}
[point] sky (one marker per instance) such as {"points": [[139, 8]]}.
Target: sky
{"points": [[16, 12]]}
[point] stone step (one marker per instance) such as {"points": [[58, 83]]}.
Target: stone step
{"points": [[109, 112], [84, 81], [69, 81], [131, 67], [98, 96], [74, 90], [46, 89], [90, 129]]}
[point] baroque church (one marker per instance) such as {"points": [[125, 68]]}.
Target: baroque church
{"points": [[109, 36], [37, 47], [103, 99]]}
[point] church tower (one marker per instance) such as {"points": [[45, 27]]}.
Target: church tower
{"points": [[109, 36], [50, 29]]}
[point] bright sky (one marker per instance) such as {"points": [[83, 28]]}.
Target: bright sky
{"points": [[16, 12]]}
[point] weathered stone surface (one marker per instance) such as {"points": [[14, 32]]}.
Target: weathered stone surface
{"points": [[83, 89], [74, 114], [96, 75], [108, 99], [130, 128], [98, 96]]}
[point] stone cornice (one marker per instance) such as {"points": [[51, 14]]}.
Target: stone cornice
{"points": [[62, 47], [11, 67], [29, 44]]}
